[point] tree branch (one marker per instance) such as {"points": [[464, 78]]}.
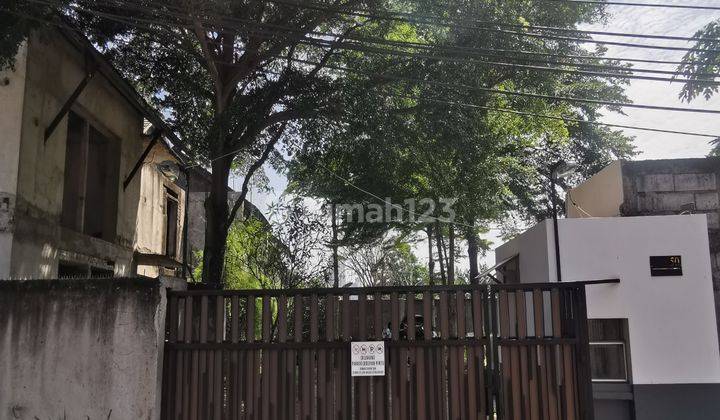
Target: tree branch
{"points": [[251, 171]]}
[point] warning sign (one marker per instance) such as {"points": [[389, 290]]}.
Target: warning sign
{"points": [[367, 358]]}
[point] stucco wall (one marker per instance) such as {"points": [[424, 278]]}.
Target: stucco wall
{"points": [[54, 69], [12, 95], [151, 209], [77, 349], [673, 338]]}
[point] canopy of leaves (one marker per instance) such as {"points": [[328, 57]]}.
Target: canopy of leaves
{"points": [[427, 129]]}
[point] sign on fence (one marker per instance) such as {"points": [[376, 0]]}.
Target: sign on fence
{"points": [[367, 358]]}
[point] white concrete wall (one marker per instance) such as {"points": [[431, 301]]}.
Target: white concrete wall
{"points": [[532, 247], [599, 196], [673, 336]]}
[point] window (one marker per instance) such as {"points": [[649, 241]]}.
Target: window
{"points": [[608, 350], [511, 271], [91, 180], [171, 223]]}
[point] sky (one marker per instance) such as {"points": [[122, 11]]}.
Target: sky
{"points": [[643, 20]]}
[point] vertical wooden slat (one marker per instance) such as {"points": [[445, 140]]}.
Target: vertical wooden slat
{"points": [[582, 363], [310, 356], [379, 401], [410, 356], [461, 379], [478, 367], [516, 383], [218, 369], [395, 354], [420, 391], [345, 367], [331, 386], [298, 394], [568, 382], [440, 353], [189, 357], [521, 311], [250, 371], [361, 385], [199, 390], [505, 366], [281, 356], [266, 367]]}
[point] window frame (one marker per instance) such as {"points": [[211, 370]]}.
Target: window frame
{"points": [[624, 342], [79, 222], [170, 194]]}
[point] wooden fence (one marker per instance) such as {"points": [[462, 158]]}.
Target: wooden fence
{"points": [[452, 352]]}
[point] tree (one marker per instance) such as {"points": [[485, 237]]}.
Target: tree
{"points": [[699, 65], [287, 254], [435, 131], [225, 72], [388, 261]]}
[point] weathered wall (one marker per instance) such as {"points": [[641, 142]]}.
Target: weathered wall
{"points": [[80, 349], [54, 69], [599, 196], [12, 95], [151, 209]]}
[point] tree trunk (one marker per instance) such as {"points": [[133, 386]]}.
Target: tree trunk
{"points": [[451, 255], [431, 261], [438, 237], [472, 240], [216, 226]]}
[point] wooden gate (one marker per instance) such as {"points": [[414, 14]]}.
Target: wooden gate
{"points": [[452, 352]]}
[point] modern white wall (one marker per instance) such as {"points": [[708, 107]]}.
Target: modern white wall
{"points": [[673, 335], [532, 247]]}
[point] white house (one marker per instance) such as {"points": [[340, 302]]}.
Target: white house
{"points": [[654, 343]]}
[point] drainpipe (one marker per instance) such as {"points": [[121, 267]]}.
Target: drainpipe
{"points": [[555, 227]]}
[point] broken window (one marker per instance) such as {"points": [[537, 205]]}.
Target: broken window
{"points": [[171, 223], [91, 180]]}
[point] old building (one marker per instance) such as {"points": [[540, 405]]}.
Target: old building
{"points": [[656, 187], [89, 182]]}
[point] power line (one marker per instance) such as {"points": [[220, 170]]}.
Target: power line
{"points": [[509, 92], [513, 93], [471, 50], [635, 4], [628, 75], [571, 56], [524, 34], [534, 114], [567, 119], [365, 48], [446, 22]]}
